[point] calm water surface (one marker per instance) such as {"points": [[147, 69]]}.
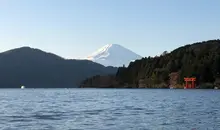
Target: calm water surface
{"points": [[109, 109]]}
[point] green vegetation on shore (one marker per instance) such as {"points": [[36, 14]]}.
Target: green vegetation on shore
{"points": [[200, 60]]}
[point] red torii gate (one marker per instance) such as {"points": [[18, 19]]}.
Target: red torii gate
{"points": [[188, 80]]}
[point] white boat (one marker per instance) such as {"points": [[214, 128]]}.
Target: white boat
{"points": [[22, 87], [171, 87]]}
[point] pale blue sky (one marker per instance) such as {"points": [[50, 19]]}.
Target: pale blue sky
{"points": [[76, 28]]}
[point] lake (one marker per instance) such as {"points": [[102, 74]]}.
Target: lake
{"points": [[109, 109]]}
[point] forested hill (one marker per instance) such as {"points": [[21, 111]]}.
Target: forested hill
{"points": [[200, 60], [34, 68]]}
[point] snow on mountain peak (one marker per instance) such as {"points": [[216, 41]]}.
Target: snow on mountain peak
{"points": [[113, 55]]}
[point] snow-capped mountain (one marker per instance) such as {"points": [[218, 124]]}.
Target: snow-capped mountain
{"points": [[113, 55]]}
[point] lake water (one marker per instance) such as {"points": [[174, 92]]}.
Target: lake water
{"points": [[109, 109]]}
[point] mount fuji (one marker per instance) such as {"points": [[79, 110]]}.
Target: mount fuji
{"points": [[113, 55]]}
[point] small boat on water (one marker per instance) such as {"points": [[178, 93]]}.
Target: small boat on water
{"points": [[22, 87], [170, 86]]}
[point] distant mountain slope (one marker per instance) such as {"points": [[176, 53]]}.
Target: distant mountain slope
{"points": [[35, 68], [113, 55]]}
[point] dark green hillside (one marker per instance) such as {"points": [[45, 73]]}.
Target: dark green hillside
{"points": [[200, 60], [35, 68]]}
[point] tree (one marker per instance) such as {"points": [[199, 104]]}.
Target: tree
{"points": [[164, 53]]}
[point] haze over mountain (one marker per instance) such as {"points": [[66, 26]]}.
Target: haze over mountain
{"points": [[38, 69], [113, 55]]}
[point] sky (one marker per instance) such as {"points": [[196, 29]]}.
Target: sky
{"points": [[76, 28]]}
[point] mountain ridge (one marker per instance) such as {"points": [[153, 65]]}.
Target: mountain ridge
{"points": [[33, 67]]}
